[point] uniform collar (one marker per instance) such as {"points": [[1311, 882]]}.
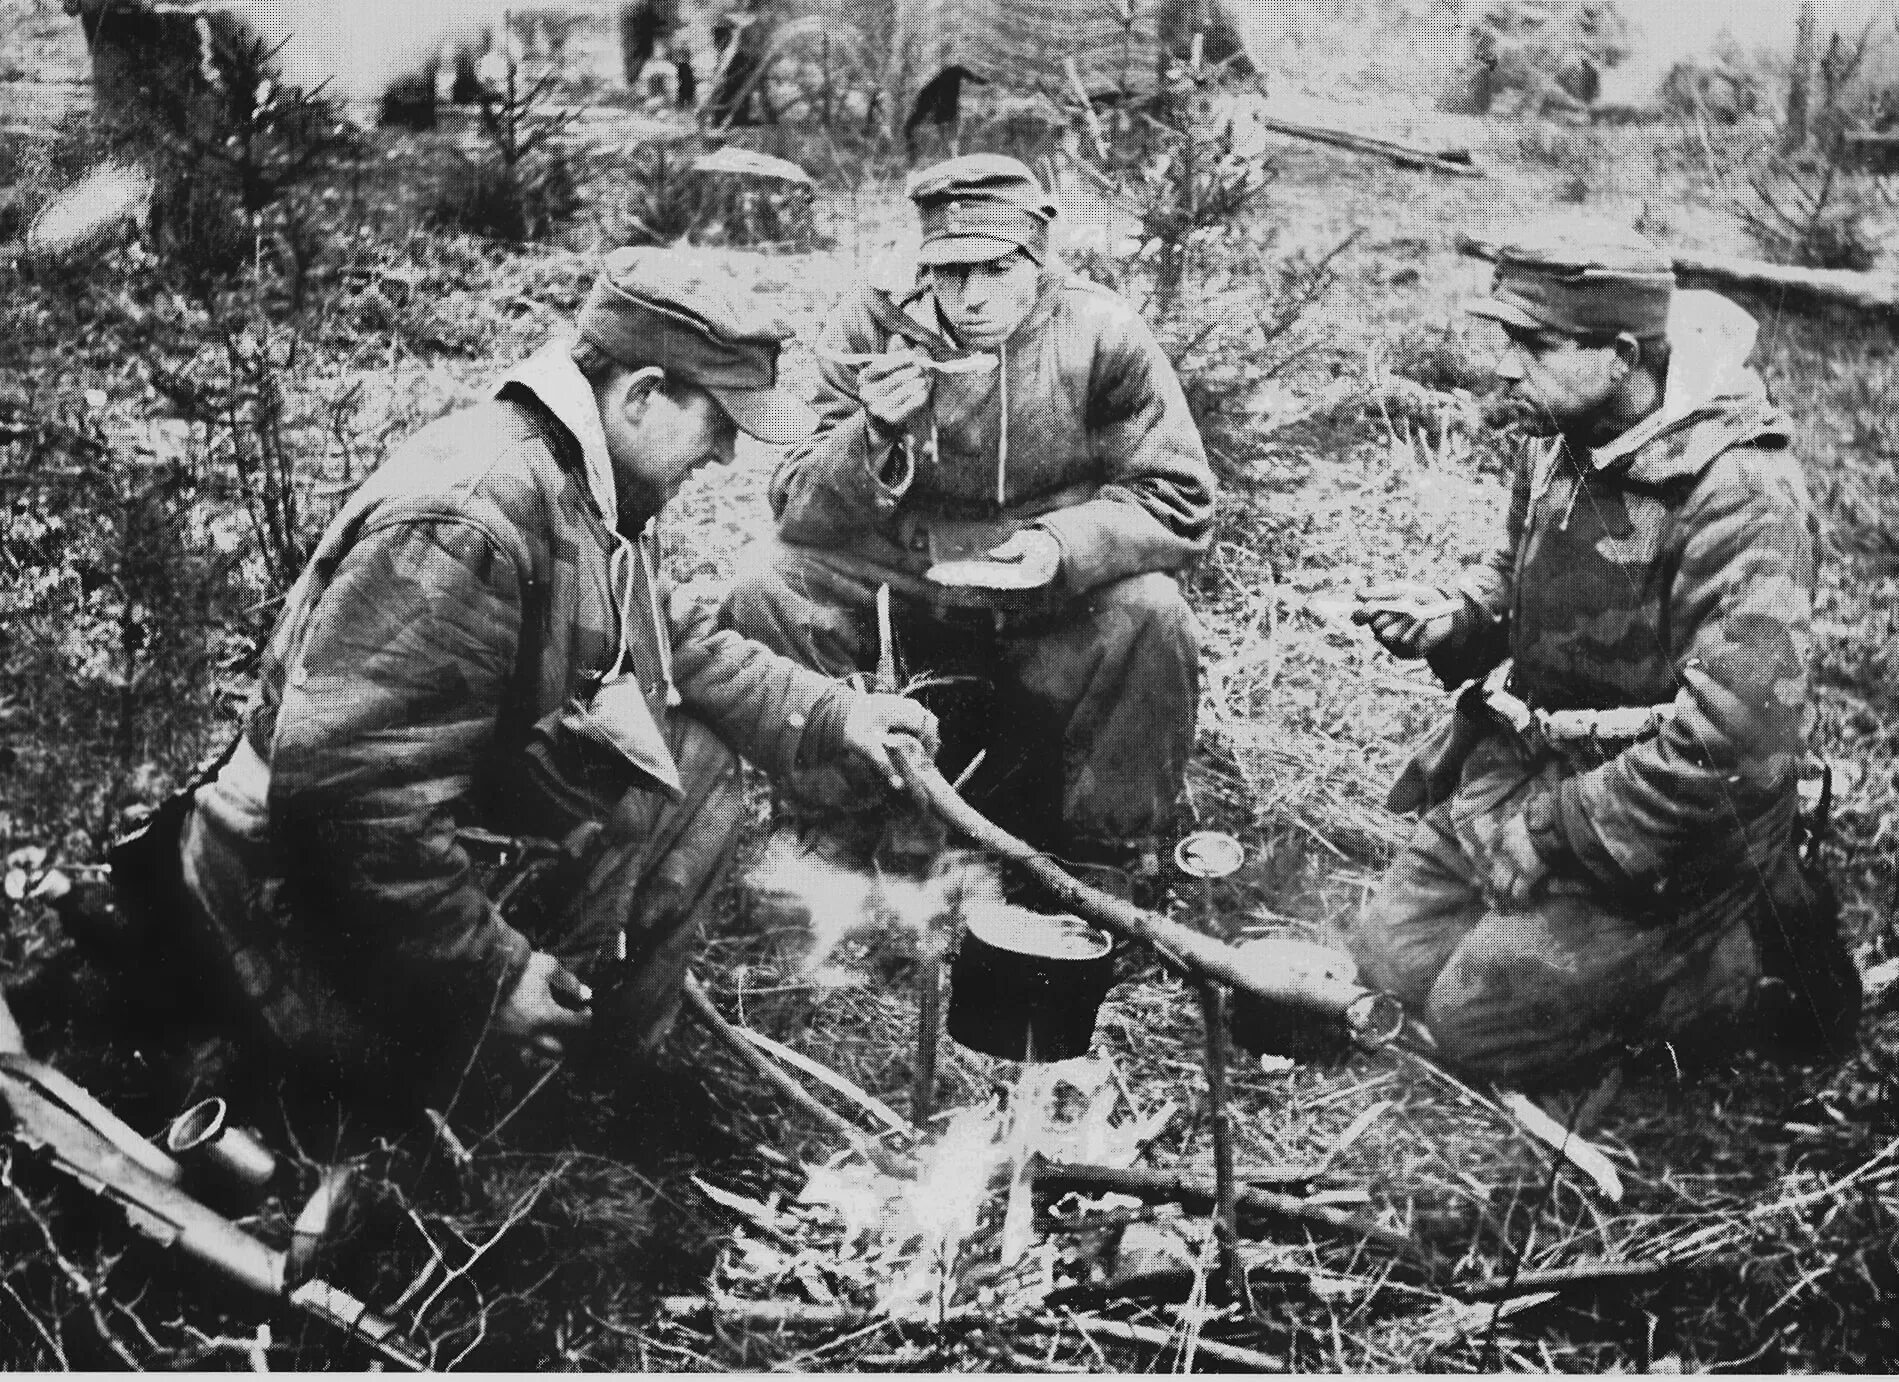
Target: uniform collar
{"points": [[1709, 339], [552, 377]]}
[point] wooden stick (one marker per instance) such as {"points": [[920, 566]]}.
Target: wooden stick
{"points": [[1401, 154], [1244, 1358], [824, 1075], [1087, 108], [1226, 1215], [929, 1018], [1197, 1193], [794, 1314], [1374, 1016], [699, 1003], [764, 1314], [1591, 1273]]}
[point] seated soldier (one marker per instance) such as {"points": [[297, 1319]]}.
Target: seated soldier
{"points": [[1003, 446], [482, 668], [1608, 855]]}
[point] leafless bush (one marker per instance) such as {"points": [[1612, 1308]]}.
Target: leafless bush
{"points": [[1808, 213], [524, 185]]}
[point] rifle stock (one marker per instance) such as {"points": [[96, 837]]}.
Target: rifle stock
{"points": [[83, 1140]]}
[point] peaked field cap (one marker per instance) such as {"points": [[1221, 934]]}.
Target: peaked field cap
{"points": [[979, 207], [674, 311], [1580, 281]]}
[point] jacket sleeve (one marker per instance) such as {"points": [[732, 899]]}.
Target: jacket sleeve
{"points": [[390, 702], [1480, 638], [848, 473], [759, 703], [1154, 510], [1742, 598]]}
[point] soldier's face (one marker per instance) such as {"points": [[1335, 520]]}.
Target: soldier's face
{"points": [[985, 303], [657, 437], [1570, 387]]}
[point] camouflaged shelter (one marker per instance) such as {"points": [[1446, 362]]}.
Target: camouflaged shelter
{"points": [[1119, 47]]}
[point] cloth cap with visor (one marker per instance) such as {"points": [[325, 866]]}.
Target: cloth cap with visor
{"points": [[979, 207], [654, 307], [1580, 286]]}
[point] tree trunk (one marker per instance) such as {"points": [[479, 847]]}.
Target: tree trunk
{"points": [[1793, 133]]}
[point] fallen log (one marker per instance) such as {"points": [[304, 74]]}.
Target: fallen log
{"points": [[1874, 293], [1404, 155], [1196, 1193], [1374, 1017]]}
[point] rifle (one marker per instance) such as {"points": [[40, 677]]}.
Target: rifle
{"points": [[55, 1118]]}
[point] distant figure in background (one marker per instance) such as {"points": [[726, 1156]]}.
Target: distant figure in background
{"points": [[1611, 851], [940, 103], [644, 25], [685, 81], [734, 99]]}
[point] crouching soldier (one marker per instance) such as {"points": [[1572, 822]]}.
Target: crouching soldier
{"points": [[1608, 854], [1003, 448], [491, 781]]}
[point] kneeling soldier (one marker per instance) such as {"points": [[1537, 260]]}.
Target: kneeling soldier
{"points": [[1608, 854]]}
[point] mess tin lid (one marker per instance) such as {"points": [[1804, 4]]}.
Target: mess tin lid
{"points": [[1022, 932]]}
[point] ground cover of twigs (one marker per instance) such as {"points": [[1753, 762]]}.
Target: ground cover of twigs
{"points": [[696, 1217]]}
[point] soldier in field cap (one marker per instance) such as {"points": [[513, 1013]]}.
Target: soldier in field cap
{"points": [[488, 785], [1001, 445], [1610, 851]]}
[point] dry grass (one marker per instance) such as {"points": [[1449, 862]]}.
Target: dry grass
{"points": [[1770, 1192]]}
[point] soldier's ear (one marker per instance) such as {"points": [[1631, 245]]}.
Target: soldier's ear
{"points": [[627, 396], [1629, 351]]}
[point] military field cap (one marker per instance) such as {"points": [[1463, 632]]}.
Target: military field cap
{"points": [[980, 207], [665, 308], [1580, 281]]}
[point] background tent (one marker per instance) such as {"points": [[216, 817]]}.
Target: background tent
{"points": [[1119, 46]]}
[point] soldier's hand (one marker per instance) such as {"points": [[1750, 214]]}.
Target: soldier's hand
{"points": [[893, 389], [1393, 613], [1037, 553], [875, 721], [1508, 867], [548, 1006]]}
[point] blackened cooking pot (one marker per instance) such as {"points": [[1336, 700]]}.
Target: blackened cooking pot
{"points": [[1026, 986]]}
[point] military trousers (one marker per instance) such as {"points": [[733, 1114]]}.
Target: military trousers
{"points": [[627, 912], [1544, 994], [1085, 712]]}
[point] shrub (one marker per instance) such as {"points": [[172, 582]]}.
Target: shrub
{"points": [[1814, 216], [523, 186]]}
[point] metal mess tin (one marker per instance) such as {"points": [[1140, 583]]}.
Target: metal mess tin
{"points": [[1275, 1029], [1026, 986]]}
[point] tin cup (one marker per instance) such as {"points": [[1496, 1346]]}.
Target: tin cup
{"points": [[206, 1141]]}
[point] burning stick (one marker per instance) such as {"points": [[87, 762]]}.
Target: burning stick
{"points": [[1374, 1017], [1194, 1193]]}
